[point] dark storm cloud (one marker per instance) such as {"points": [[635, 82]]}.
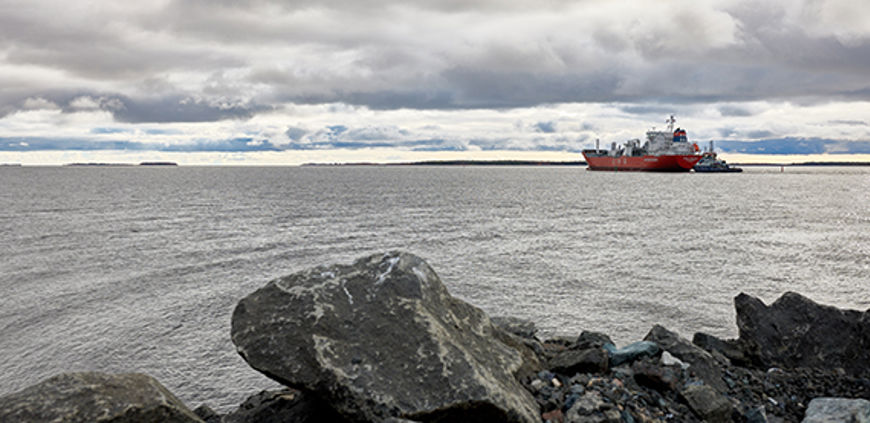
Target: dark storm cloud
{"points": [[734, 111], [199, 61]]}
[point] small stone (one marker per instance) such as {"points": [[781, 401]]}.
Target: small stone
{"points": [[554, 416], [669, 360]]}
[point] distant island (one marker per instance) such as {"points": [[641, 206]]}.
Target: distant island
{"points": [[100, 164]]}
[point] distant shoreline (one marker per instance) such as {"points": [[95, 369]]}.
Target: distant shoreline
{"points": [[98, 164], [435, 163]]}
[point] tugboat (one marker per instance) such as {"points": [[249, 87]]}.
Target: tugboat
{"points": [[709, 163], [663, 151]]}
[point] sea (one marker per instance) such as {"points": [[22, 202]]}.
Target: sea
{"points": [[138, 269]]}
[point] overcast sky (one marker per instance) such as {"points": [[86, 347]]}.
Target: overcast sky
{"points": [[330, 80]]}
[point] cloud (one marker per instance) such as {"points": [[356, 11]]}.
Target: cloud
{"points": [[545, 127], [475, 54]]}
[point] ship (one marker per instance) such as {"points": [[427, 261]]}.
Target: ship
{"points": [[663, 151], [710, 163]]}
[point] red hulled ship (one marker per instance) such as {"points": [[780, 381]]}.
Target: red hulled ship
{"points": [[663, 151]]}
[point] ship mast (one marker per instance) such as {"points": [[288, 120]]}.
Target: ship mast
{"points": [[670, 123]]}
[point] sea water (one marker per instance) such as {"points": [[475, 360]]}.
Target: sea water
{"points": [[137, 269]]}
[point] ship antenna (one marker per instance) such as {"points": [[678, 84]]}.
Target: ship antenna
{"points": [[670, 123]]}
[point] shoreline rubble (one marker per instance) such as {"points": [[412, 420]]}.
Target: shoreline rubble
{"points": [[381, 340]]}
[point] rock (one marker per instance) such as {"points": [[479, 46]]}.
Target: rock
{"points": [[728, 348], [701, 363], [831, 410], [755, 415], [283, 405], [93, 397], [794, 332], [652, 375], [207, 415], [632, 352], [531, 352], [591, 408], [554, 416], [589, 339], [519, 327], [382, 338], [570, 362], [708, 404]]}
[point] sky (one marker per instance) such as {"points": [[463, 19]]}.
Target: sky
{"points": [[260, 82]]}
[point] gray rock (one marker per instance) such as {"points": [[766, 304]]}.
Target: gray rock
{"points": [[382, 338], [570, 362], [755, 415], [207, 414], [95, 397], [795, 332], [701, 363], [653, 375], [283, 405], [728, 348], [591, 408], [519, 327], [589, 339], [831, 410], [632, 352], [708, 404]]}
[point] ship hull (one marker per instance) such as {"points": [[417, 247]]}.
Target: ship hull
{"points": [[663, 163]]}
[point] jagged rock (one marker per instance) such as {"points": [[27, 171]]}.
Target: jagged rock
{"points": [[728, 348], [207, 415], [831, 410], [95, 397], [588, 339], [701, 363], [794, 332], [283, 405], [519, 327], [631, 352], [652, 375], [382, 338], [708, 404], [570, 362]]}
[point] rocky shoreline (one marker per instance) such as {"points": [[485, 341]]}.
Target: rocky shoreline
{"points": [[381, 340]]}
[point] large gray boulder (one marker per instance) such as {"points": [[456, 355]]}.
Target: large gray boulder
{"points": [[794, 332], [836, 410], [95, 397], [382, 338]]}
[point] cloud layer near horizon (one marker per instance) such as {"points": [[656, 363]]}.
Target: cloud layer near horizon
{"points": [[259, 70]]}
